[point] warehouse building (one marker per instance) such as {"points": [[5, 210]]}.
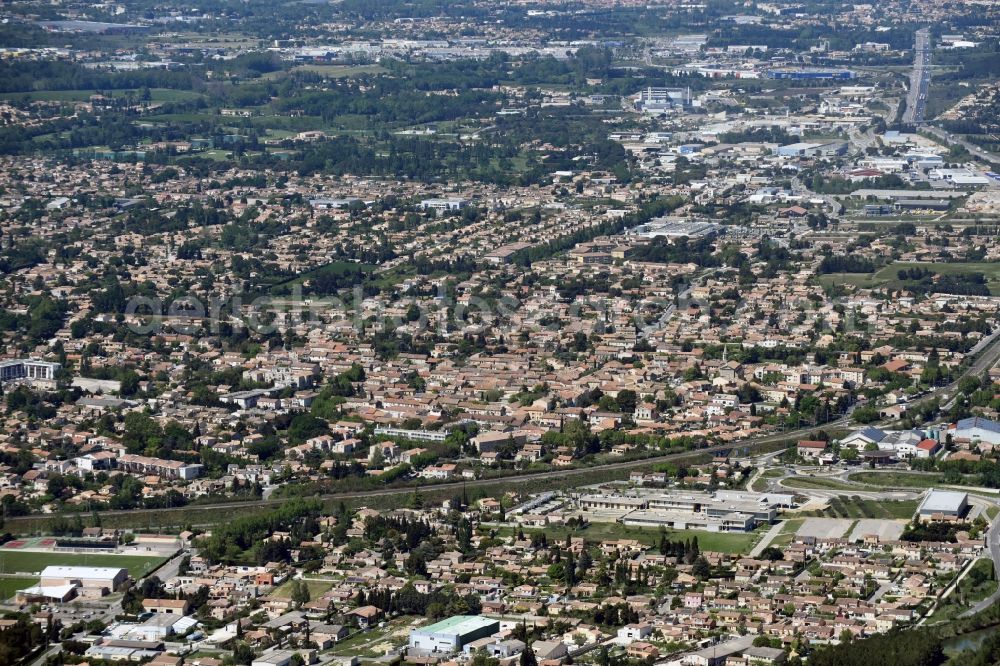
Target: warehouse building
{"points": [[660, 100], [805, 149], [452, 634], [284, 657], [60, 582], [807, 74], [944, 504], [977, 429]]}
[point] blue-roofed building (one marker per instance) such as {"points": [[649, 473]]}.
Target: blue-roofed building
{"points": [[806, 74], [977, 429], [862, 437]]}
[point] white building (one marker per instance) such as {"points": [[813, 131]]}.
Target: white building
{"points": [[948, 503], [27, 368], [977, 429], [452, 634], [442, 205]]}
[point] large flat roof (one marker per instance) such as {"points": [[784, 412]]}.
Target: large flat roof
{"points": [[457, 625], [61, 571], [910, 194], [944, 501], [978, 422]]}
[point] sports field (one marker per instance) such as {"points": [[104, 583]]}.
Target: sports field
{"points": [[10, 585], [27, 562]]}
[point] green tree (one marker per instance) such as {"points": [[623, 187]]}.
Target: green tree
{"points": [[528, 657], [701, 569]]}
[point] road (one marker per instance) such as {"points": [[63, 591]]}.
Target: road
{"points": [[767, 539], [993, 549], [682, 297], [947, 592], [920, 79], [172, 567], [950, 138], [799, 188], [55, 649]]}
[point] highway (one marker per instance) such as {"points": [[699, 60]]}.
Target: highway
{"points": [[973, 149], [920, 79]]}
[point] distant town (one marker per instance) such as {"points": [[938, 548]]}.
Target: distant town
{"points": [[485, 334]]}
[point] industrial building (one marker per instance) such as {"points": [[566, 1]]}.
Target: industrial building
{"points": [[27, 368], [922, 204], [62, 583], [452, 634], [730, 512], [116, 650], [333, 204], [284, 657], [865, 193], [805, 149], [443, 205], [945, 504], [676, 228], [661, 100], [718, 654], [805, 74], [977, 429]]}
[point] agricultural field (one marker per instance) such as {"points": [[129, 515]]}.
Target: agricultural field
{"points": [[887, 277]]}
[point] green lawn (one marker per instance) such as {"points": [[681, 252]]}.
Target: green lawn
{"points": [[990, 269], [816, 483], [26, 562], [978, 584], [316, 588], [896, 479], [887, 275], [788, 530], [10, 586]]}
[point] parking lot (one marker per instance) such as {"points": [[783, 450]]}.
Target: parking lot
{"points": [[825, 528]]}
